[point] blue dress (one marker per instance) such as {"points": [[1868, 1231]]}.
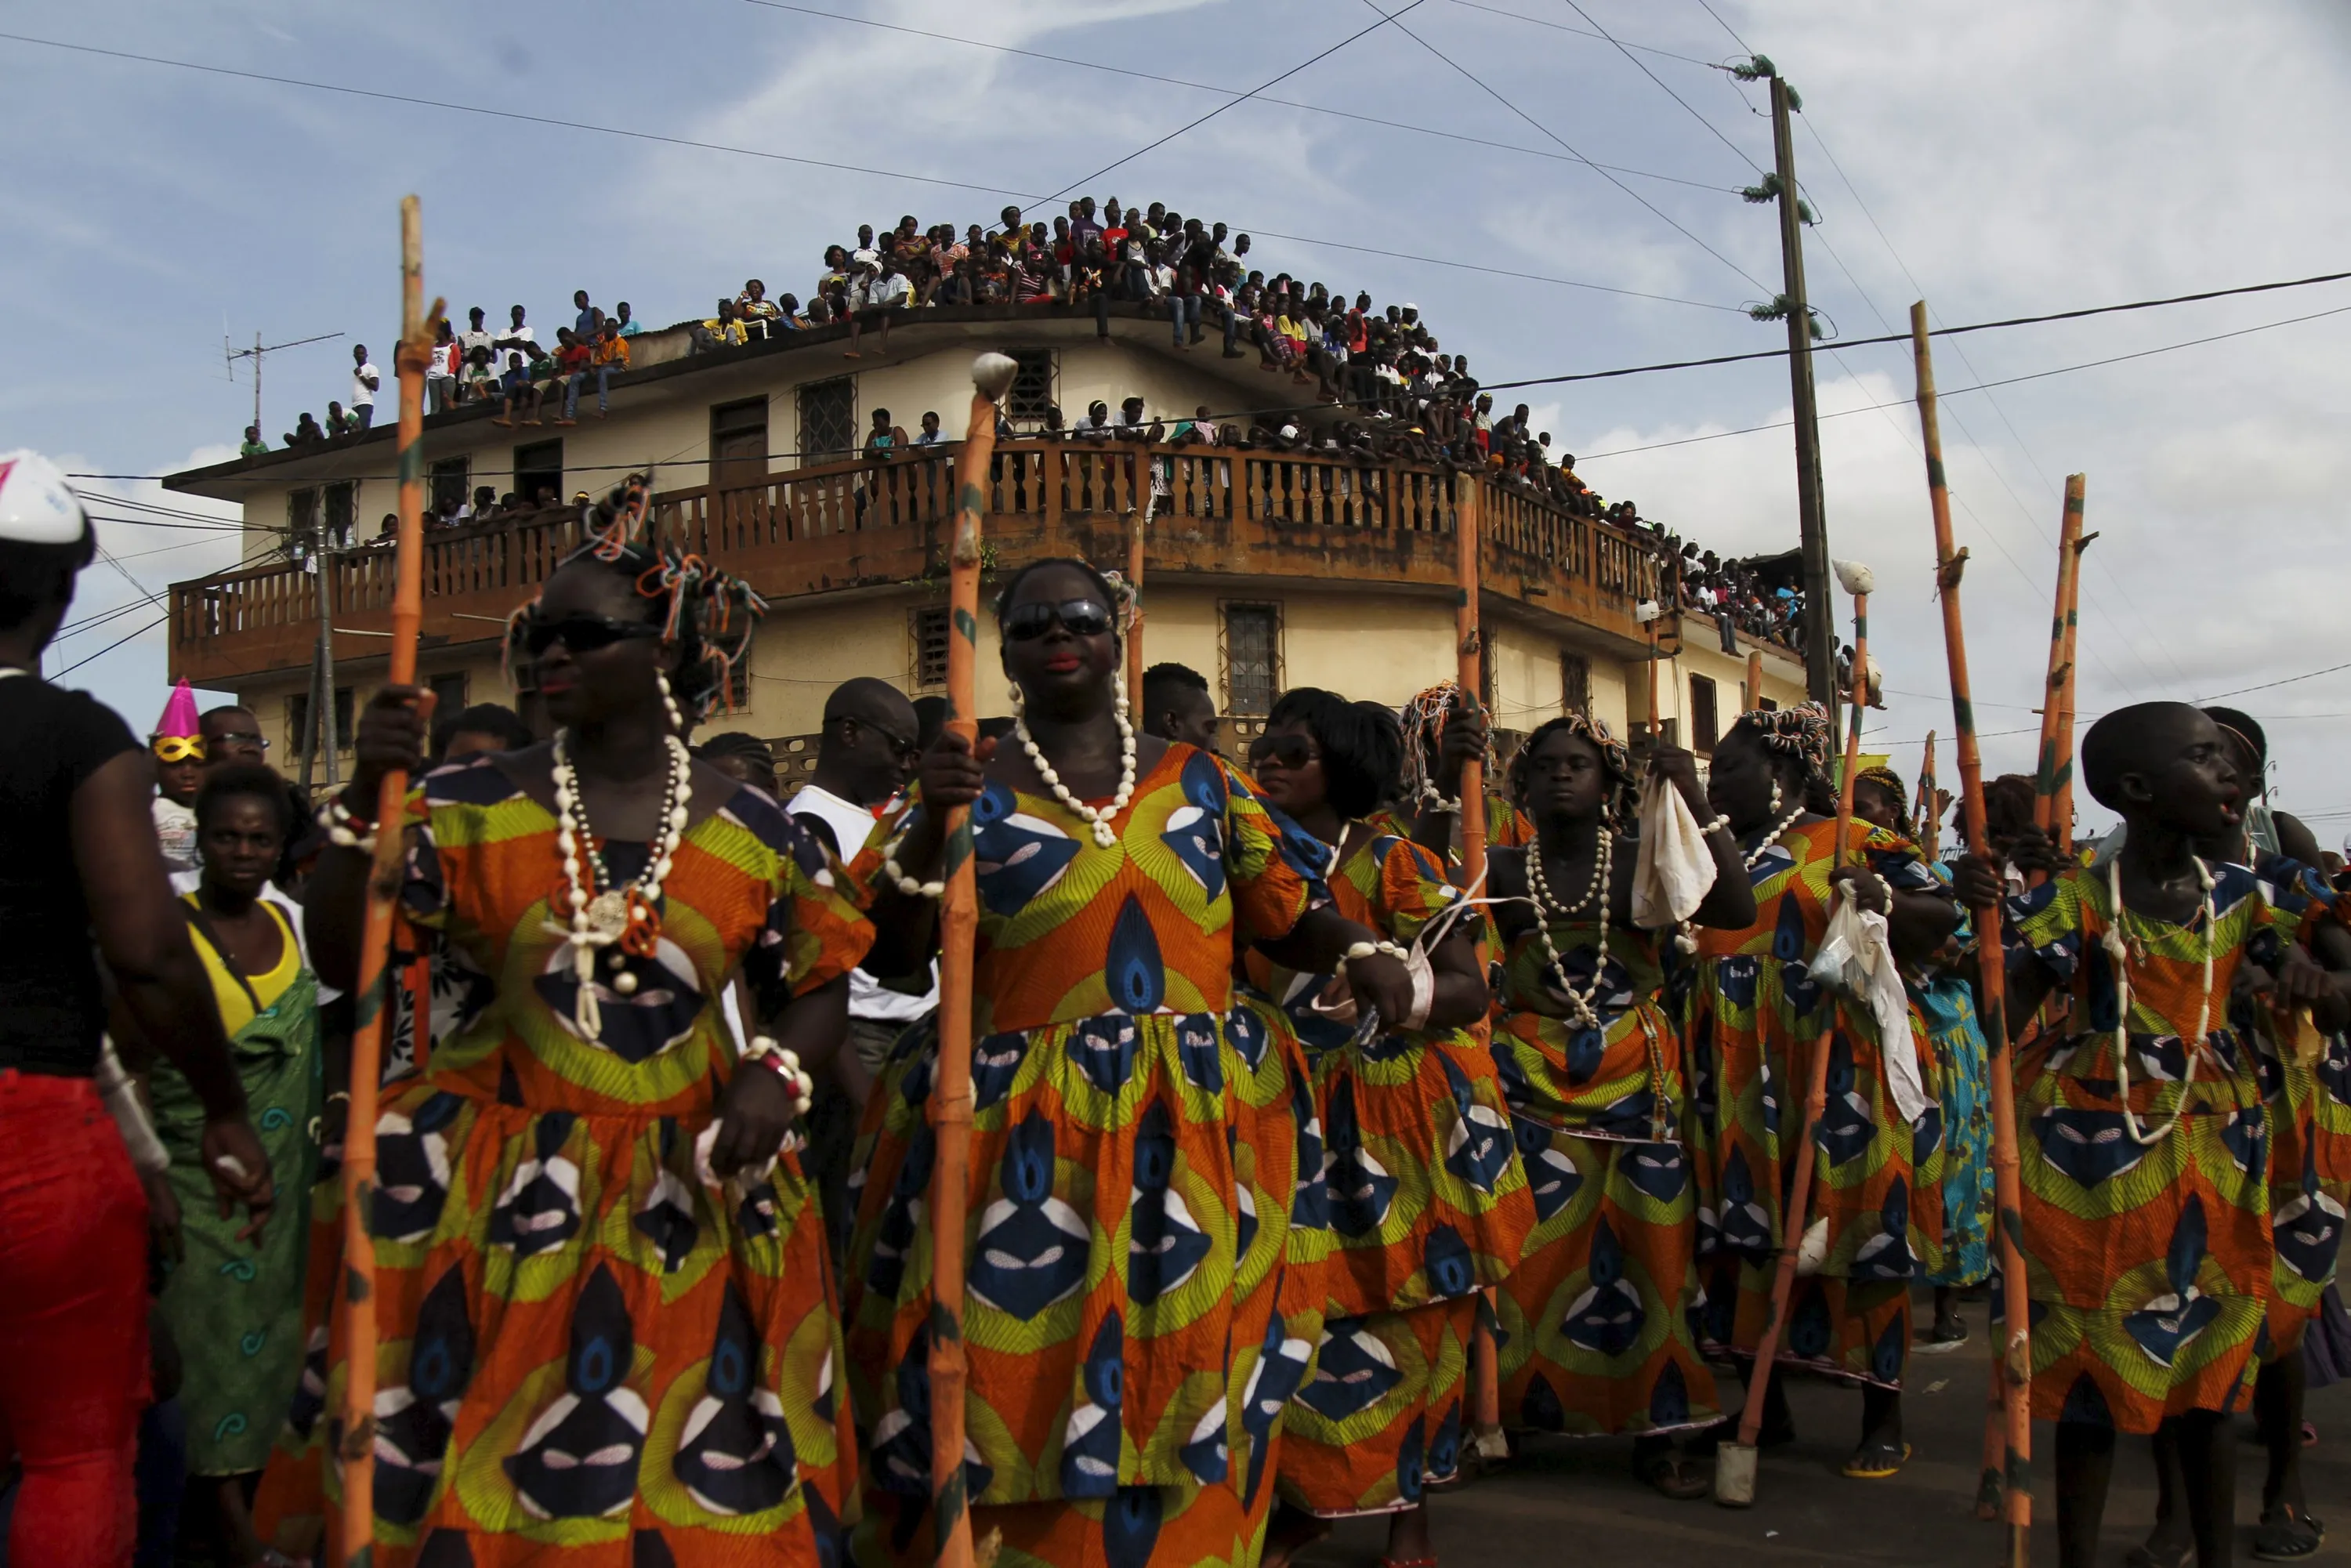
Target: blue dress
{"points": [[1947, 1005]]}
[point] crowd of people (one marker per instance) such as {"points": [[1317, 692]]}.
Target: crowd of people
{"points": [[1266, 1097], [1736, 598]]}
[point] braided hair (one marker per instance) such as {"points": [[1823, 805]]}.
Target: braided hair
{"points": [[1424, 732], [709, 615], [1616, 806], [1886, 778], [1801, 732]]}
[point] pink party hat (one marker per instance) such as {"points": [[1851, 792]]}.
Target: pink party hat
{"points": [[179, 714]]}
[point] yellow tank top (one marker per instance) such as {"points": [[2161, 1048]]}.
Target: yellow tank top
{"points": [[236, 1008]]}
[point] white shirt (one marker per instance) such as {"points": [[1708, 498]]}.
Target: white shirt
{"points": [[890, 291], [468, 341], [175, 828], [362, 394], [852, 825]]}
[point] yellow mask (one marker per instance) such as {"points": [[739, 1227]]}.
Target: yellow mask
{"points": [[179, 748]]}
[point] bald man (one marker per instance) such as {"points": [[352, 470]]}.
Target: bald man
{"points": [[864, 755]]}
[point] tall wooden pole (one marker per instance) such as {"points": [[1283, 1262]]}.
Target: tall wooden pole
{"points": [[356, 1519], [2055, 761], [1469, 674], [1752, 698], [2061, 809], [1928, 809], [2012, 1482], [1811, 510], [958, 926], [1134, 552]]}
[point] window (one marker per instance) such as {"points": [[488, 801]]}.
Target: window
{"points": [[301, 524], [1575, 683], [737, 698], [738, 443], [297, 724], [1252, 657], [1702, 720], [1035, 385], [927, 629], [342, 507], [298, 721], [451, 481], [827, 420], [342, 718], [539, 465], [1765, 705], [448, 694]]}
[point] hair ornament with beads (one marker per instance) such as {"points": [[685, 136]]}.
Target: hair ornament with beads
{"points": [[1423, 721], [1617, 806]]}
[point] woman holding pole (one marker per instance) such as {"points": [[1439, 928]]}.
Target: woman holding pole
{"points": [[1106, 1391], [1756, 1020], [605, 1319]]}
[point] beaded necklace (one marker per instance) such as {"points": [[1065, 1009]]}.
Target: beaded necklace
{"points": [[627, 917], [2119, 953]]}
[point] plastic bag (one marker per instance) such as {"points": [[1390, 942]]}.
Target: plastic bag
{"points": [[1856, 960]]}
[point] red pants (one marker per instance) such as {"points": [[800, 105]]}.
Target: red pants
{"points": [[73, 1322]]}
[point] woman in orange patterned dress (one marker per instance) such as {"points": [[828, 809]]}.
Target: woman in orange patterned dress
{"points": [[1595, 1318], [2148, 1239], [1114, 1415], [1427, 1202], [1756, 1019], [607, 1328]]}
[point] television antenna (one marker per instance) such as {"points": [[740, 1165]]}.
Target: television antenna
{"points": [[231, 355]]}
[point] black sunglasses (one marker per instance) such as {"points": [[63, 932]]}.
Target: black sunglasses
{"points": [[1079, 617], [900, 746], [1292, 751], [581, 633]]}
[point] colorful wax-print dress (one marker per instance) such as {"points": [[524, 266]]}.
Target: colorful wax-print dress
{"points": [[589, 1355], [234, 1306], [1596, 1316], [1947, 1005], [2309, 1106], [1756, 1018], [1428, 1204], [1112, 1210], [2148, 1264]]}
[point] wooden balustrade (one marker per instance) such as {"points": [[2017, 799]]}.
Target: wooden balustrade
{"points": [[859, 522]]}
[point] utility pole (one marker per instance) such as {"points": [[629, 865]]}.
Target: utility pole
{"points": [[1812, 513], [321, 722], [255, 353]]}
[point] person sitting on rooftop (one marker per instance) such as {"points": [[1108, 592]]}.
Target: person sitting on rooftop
{"points": [[757, 312], [572, 358], [886, 293], [517, 391], [252, 445], [478, 380], [340, 422], [518, 336], [630, 325], [724, 331], [611, 354]]}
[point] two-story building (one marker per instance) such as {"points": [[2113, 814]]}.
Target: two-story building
{"points": [[1264, 570]]}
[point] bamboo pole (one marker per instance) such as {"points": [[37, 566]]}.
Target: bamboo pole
{"points": [[2011, 1482], [1929, 812], [1134, 552], [355, 1542], [1469, 674], [2061, 811], [958, 925], [2052, 693], [1753, 696]]}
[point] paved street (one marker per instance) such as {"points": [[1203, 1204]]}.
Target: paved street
{"points": [[1571, 1503]]}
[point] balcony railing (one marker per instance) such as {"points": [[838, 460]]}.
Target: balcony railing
{"points": [[861, 523]]}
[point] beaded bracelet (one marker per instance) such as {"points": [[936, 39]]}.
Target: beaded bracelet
{"points": [[342, 826], [1717, 825], [785, 1063], [908, 885], [1368, 949]]}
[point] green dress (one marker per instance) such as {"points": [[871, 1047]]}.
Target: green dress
{"points": [[235, 1307]]}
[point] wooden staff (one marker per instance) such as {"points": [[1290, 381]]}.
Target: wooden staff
{"points": [[2061, 811], [1735, 1466], [2061, 671], [2008, 1483], [1754, 693], [1135, 581], [1930, 814], [356, 1530], [1469, 674], [991, 375]]}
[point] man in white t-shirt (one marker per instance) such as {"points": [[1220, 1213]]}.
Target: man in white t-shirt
{"points": [[364, 381], [473, 337]]}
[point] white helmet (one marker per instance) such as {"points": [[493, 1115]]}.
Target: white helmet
{"points": [[37, 505]]}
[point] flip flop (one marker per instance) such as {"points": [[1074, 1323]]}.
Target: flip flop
{"points": [[2288, 1535], [1874, 1463], [1670, 1474]]}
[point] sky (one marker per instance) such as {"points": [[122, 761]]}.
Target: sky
{"points": [[1995, 157]]}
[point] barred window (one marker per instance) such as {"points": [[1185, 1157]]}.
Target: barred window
{"points": [[928, 628], [1252, 657], [1035, 386], [827, 418]]}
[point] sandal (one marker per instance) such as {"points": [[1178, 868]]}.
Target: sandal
{"points": [[1874, 1462], [2157, 1553], [1670, 1474], [2287, 1534]]}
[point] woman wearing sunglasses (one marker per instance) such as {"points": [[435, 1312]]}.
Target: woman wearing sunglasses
{"points": [[1427, 1202], [602, 1287], [1595, 1319], [1113, 1372]]}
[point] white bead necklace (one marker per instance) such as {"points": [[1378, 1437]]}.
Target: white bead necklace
{"points": [[2119, 953], [1105, 834], [1580, 1011], [605, 918], [1755, 858]]}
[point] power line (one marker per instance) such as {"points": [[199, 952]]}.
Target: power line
{"points": [[1726, 27], [110, 647], [1386, 19], [1546, 131], [1711, 128], [1232, 92], [1581, 33], [1497, 271], [511, 114]]}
